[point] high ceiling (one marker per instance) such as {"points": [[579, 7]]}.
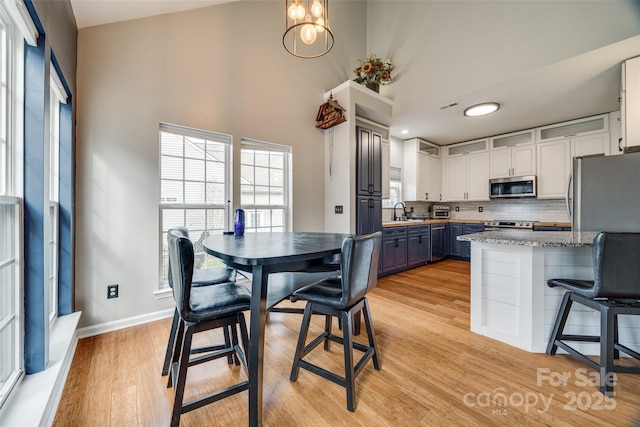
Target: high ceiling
{"points": [[96, 12], [581, 86]]}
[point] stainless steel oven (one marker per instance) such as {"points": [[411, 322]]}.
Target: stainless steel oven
{"points": [[497, 225]]}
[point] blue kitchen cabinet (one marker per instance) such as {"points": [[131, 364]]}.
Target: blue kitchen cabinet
{"points": [[418, 245], [462, 250], [394, 249], [456, 248], [550, 228], [470, 229]]}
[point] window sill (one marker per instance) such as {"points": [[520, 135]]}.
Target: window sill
{"points": [[34, 400]]}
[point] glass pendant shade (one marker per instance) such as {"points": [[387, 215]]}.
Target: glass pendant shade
{"points": [[307, 32]]}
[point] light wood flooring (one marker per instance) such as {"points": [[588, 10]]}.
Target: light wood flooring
{"points": [[435, 372]]}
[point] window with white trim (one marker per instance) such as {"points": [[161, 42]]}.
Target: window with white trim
{"points": [[395, 188], [264, 187], [194, 189], [11, 299], [57, 96]]}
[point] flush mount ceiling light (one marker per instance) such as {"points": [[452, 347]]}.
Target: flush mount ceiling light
{"points": [[481, 109], [307, 33]]}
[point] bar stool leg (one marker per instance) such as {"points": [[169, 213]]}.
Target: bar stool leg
{"points": [[347, 340], [606, 350], [561, 320]]}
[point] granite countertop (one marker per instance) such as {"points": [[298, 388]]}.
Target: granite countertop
{"points": [[566, 239]]}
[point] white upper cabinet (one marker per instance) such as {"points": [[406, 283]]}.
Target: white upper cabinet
{"points": [[467, 171], [422, 171], [582, 137], [630, 102], [513, 154], [554, 160], [580, 127]]}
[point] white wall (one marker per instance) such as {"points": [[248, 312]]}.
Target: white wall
{"points": [[221, 68]]}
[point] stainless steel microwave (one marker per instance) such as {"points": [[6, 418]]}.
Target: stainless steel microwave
{"points": [[513, 186]]}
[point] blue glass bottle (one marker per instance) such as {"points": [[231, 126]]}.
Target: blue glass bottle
{"points": [[238, 222]]}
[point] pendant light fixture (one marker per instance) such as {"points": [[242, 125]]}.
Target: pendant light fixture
{"points": [[307, 33]]}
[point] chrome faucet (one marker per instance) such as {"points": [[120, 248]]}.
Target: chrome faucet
{"points": [[404, 208]]}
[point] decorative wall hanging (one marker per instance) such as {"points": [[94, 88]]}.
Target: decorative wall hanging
{"points": [[307, 33], [330, 114]]}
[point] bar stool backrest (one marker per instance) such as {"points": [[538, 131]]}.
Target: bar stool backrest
{"points": [[616, 261], [184, 232], [181, 258], [359, 265]]}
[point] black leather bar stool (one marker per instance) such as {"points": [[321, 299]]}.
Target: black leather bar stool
{"points": [[201, 277], [200, 309], [615, 290], [342, 296]]}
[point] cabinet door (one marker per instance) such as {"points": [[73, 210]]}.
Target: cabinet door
{"points": [[388, 255], [401, 252], [424, 243], [592, 144], [457, 178], [413, 249], [456, 247], [478, 177], [523, 160], [368, 215], [432, 178], [501, 163], [422, 183], [375, 164], [553, 169], [363, 185], [369, 163]]}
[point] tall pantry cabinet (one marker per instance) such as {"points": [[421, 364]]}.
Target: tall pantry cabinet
{"points": [[368, 181]]}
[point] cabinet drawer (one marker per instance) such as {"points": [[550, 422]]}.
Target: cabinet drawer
{"points": [[392, 232], [472, 228], [418, 229]]}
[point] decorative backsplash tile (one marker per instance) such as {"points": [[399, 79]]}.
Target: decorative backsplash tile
{"points": [[512, 209]]}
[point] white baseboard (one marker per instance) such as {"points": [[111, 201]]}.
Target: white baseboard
{"points": [[115, 325]]}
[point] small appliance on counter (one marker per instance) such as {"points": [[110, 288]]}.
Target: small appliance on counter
{"points": [[440, 211]]}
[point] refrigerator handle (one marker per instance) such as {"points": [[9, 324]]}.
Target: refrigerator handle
{"points": [[567, 196]]}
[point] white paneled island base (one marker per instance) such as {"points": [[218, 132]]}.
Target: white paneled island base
{"points": [[510, 300]]}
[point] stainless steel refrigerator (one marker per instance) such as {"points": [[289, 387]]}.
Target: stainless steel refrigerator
{"points": [[606, 193]]}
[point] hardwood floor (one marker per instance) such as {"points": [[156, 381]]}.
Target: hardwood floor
{"points": [[434, 372]]}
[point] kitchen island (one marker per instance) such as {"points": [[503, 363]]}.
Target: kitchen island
{"points": [[510, 300]]}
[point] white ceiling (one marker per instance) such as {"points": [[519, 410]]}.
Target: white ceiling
{"points": [[585, 85], [96, 12]]}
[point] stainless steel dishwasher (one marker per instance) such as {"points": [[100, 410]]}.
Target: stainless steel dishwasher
{"points": [[438, 242]]}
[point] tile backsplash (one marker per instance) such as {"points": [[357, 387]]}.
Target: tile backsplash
{"points": [[512, 209]]}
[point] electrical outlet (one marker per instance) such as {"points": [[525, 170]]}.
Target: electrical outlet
{"points": [[112, 291], [457, 208], [339, 209], [479, 208]]}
